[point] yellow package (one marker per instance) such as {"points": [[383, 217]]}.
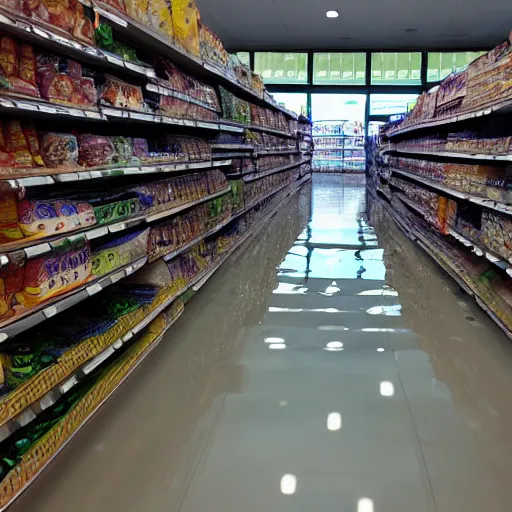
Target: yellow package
{"points": [[185, 17], [160, 17], [138, 10]]}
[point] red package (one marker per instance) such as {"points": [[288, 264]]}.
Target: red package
{"points": [[119, 5], [6, 159], [117, 93], [60, 80], [59, 13], [32, 138], [17, 144], [17, 67], [95, 150], [83, 29], [12, 5]]}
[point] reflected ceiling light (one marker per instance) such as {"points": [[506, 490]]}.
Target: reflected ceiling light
{"points": [[283, 403], [274, 340], [277, 346], [389, 293], [381, 350], [332, 328], [331, 290], [380, 329], [332, 14], [365, 505], [288, 484], [334, 346], [385, 310], [387, 388], [334, 421]]}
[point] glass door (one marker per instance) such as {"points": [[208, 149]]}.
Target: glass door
{"points": [[338, 132]]}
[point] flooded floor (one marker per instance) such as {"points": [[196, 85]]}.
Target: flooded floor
{"points": [[330, 366]]}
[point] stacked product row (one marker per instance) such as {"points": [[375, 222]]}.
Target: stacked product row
{"points": [[117, 223], [449, 181]]}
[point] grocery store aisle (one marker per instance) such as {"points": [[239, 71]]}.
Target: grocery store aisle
{"points": [[355, 377]]}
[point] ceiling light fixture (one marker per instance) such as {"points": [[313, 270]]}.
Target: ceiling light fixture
{"points": [[332, 14]]}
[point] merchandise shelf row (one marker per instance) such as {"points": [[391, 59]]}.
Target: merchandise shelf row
{"points": [[450, 154], [16, 414]]}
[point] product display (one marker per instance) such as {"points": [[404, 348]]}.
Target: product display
{"points": [[450, 185], [118, 200]]}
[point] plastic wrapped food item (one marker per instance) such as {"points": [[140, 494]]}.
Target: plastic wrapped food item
{"points": [[123, 150], [95, 150], [6, 159], [16, 144], [17, 68], [12, 5], [105, 39], [140, 149], [120, 252], [59, 150], [47, 218], [185, 18], [116, 211], [58, 13], [32, 138], [12, 276], [212, 49], [60, 80], [161, 16], [138, 10], [50, 275], [117, 93], [9, 227], [83, 29]]}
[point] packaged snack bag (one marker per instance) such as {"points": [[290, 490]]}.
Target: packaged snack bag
{"points": [[6, 159], [123, 150], [119, 252], [83, 29], [95, 150], [59, 13], [50, 275], [32, 138], [185, 17], [121, 94], [160, 16], [9, 227], [119, 5], [17, 145], [59, 150], [140, 149], [12, 5], [116, 211], [17, 68], [138, 10], [12, 276], [46, 218]]}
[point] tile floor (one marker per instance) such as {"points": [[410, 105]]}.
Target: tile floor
{"points": [[330, 366]]}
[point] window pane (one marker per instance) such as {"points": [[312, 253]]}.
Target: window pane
{"points": [[388, 104], [244, 58], [399, 68], [294, 101], [441, 64], [339, 68], [282, 68]]}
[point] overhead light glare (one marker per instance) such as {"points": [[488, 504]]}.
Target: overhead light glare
{"points": [[332, 14]]}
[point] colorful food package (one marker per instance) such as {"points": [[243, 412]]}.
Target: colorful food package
{"points": [[117, 93], [160, 16], [12, 5], [16, 144], [104, 38], [9, 227], [212, 49], [6, 159], [140, 149], [60, 80], [119, 252], [32, 138], [95, 150], [59, 150], [17, 68], [12, 276], [451, 94], [46, 218], [185, 18], [138, 10], [116, 211], [83, 29], [50, 275], [123, 150]]}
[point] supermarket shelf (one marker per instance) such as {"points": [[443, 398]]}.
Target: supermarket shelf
{"points": [[59, 304], [487, 203], [74, 377], [451, 154], [342, 148], [81, 174], [233, 147], [29, 106], [156, 42], [499, 108], [336, 136], [258, 175], [49, 37], [164, 91], [279, 133], [276, 152], [42, 246]]}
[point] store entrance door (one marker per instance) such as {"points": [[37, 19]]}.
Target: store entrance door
{"points": [[338, 132]]}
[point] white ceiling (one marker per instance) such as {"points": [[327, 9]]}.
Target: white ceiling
{"points": [[377, 24]]}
